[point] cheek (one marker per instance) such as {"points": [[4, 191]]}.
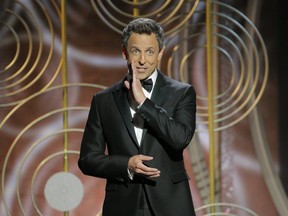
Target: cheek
{"points": [[151, 60], [133, 58]]}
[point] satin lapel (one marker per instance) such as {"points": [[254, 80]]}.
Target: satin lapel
{"points": [[160, 89], [120, 97]]}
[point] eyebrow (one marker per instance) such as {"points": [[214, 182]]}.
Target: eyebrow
{"points": [[135, 47]]}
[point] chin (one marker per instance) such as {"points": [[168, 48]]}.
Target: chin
{"points": [[142, 75]]}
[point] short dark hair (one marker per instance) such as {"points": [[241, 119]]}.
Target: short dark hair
{"points": [[143, 26]]}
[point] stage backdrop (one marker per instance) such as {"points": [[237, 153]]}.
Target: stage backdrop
{"points": [[54, 55]]}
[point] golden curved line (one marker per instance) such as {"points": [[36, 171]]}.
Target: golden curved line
{"points": [[40, 166], [225, 92], [165, 20], [184, 60], [242, 65], [39, 51], [138, 3], [7, 156], [199, 108], [104, 19], [234, 112], [245, 88], [37, 120], [42, 90], [231, 96], [56, 7], [132, 15], [135, 9], [172, 14], [247, 85], [210, 84], [114, 19], [37, 58], [199, 166], [219, 96], [272, 179], [231, 205], [253, 87], [261, 146], [64, 78], [223, 51], [47, 90], [44, 67], [26, 155], [9, 65], [265, 77], [175, 48], [183, 21], [29, 50]]}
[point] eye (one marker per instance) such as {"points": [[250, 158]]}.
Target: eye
{"points": [[150, 52], [135, 51]]}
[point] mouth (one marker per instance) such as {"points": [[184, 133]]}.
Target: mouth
{"points": [[141, 69]]}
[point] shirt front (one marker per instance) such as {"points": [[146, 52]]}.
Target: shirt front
{"points": [[138, 122]]}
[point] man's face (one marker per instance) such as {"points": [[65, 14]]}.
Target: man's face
{"points": [[144, 51]]}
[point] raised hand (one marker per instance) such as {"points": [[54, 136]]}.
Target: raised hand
{"points": [[135, 86]]}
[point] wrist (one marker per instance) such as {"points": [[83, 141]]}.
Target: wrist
{"points": [[138, 107], [141, 100]]}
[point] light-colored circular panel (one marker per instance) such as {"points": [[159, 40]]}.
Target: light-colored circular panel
{"points": [[63, 191]]}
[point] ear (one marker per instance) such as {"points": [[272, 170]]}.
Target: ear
{"points": [[124, 52], [160, 54]]}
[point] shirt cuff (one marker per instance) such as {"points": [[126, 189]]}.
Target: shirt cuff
{"points": [[139, 106], [130, 174]]}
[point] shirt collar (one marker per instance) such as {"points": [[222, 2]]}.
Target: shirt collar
{"points": [[153, 76]]}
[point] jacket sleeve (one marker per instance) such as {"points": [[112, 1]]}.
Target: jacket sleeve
{"points": [[177, 129], [93, 160]]}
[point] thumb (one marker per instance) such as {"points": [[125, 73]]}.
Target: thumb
{"points": [[146, 158], [127, 84]]}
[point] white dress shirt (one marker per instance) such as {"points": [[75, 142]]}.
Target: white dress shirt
{"points": [[139, 127]]}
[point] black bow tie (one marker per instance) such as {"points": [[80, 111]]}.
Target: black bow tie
{"points": [[147, 84]]}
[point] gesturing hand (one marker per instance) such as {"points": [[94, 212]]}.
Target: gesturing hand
{"points": [[135, 86], [136, 164]]}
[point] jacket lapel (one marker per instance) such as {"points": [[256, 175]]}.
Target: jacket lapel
{"points": [[121, 99], [159, 90]]}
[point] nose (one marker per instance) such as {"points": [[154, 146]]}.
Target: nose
{"points": [[142, 59]]}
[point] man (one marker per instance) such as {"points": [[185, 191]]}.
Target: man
{"points": [[145, 132]]}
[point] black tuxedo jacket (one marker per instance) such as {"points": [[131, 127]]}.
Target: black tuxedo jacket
{"points": [[169, 118]]}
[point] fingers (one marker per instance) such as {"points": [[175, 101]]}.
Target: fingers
{"points": [[135, 86], [135, 77], [127, 84], [136, 163], [132, 81], [134, 71], [144, 157], [145, 170]]}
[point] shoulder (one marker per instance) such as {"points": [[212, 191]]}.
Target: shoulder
{"points": [[118, 86], [172, 83]]}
